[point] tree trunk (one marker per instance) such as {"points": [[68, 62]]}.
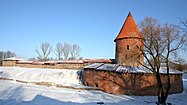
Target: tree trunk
{"points": [[167, 87], [161, 98], [167, 81], [161, 93]]}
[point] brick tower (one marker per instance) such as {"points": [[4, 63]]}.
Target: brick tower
{"points": [[127, 43]]}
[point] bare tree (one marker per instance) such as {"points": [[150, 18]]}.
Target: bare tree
{"points": [[72, 50], [45, 50], [160, 45], [10, 54], [59, 51], [178, 64], [32, 59], [183, 25], [75, 51], [6, 54], [1, 55], [66, 50]]}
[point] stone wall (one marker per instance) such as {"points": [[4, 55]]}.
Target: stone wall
{"points": [[129, 83], [69, 64], [55, 66], [9, 63]]}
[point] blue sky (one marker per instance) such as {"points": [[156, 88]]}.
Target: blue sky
{"points": [[92, 24]]}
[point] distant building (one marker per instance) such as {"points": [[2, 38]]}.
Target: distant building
{"points": [[128, 44], [11, 61]]}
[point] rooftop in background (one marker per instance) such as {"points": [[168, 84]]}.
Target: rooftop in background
{"points": [[22, 61], [14, 59], [98, 60]]}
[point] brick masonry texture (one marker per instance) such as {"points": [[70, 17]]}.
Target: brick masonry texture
{"points": [[129, 83]]}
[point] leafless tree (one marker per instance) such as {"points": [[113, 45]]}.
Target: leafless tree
{"points": [[75, 51], [59, 51], [44, 51], [178, 64], [161, 43], [183, 25], [10, 54], [1, 55], [66, 50], [6, 54], [32, 59]]}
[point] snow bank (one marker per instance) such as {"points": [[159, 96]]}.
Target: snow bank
{"points": [[55, 76], [15, 93]]}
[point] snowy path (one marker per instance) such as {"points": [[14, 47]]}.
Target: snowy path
{"points": [[15, 93]]}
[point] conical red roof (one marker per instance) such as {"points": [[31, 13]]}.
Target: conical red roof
{"points": [[129, 29]]}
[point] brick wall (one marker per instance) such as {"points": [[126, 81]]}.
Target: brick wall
{"points": [[129, 83], [67, 65], [9, 63], [127, 53], [55, 66]]}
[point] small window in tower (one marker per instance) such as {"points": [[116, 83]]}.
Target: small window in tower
{"points": [[96, 85], [126, 56], [127, 47]]}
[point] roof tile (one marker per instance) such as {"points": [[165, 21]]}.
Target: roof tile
{"points": [[129, 29]]}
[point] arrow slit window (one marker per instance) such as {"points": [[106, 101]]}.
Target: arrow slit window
{"points": [[127, 47]]}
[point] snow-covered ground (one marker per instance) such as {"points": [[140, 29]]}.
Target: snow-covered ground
{"points": [[53, 76], [16, 93]]}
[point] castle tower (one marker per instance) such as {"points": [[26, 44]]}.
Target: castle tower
{"points": [[127, 43]]}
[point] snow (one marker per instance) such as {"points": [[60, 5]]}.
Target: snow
{"points": [[14, 59], [92, 66], [16, 93], [124, 69], [70, 61], [98, 60], [25, 62], [108, 67], [54, 76], [38, 63]]}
